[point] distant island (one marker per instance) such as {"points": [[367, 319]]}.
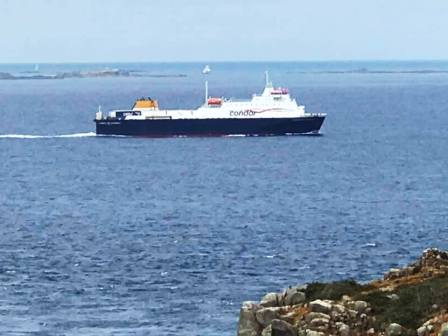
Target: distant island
{"points": [[408, 301], [84, 74], [376, 71]]}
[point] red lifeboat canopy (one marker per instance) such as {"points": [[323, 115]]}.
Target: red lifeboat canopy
{"points": [[214, 101]]}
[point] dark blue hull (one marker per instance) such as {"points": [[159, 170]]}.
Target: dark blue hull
{"points": [[210, 127]]}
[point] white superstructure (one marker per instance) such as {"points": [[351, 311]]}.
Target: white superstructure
{"points": [[272, 103]]}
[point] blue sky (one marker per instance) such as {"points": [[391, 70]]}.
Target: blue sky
{"points": [[200, 30]]}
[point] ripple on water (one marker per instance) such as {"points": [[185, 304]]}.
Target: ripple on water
{"points": [[123, 236]]}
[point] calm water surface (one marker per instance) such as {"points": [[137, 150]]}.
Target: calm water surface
{"points": [[126, 236]]}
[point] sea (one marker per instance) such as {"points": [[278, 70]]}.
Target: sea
{"points": [[139, 236]]}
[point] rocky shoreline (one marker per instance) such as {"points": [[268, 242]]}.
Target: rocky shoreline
{"points": [[408, 301]]}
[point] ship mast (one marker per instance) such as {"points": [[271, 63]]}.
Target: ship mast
{"points": [[268, 82], [206, 92], [206, 71]]}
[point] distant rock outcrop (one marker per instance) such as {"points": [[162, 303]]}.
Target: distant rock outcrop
{"points": [[408, 301], [84, 74], [6, 75]]}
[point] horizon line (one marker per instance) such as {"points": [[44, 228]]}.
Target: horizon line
{"points": [[233, 61]]}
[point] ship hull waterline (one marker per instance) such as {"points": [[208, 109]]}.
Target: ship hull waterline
{"points": [[210, 127]]}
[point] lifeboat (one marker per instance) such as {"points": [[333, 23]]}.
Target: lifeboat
{"points": [[214, 101]]}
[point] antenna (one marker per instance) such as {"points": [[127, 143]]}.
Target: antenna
{"points": [[99, 114], [268, 82]]}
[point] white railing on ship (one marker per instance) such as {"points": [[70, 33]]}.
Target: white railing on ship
{"points": [[308, 114]]}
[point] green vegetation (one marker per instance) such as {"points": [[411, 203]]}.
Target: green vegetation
{"points": [[333, 290], [413, 306]]}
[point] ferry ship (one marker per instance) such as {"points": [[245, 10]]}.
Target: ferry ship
{"points": [[273, 112]]}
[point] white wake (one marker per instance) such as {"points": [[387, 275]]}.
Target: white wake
{"points": [[30, 136]]}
